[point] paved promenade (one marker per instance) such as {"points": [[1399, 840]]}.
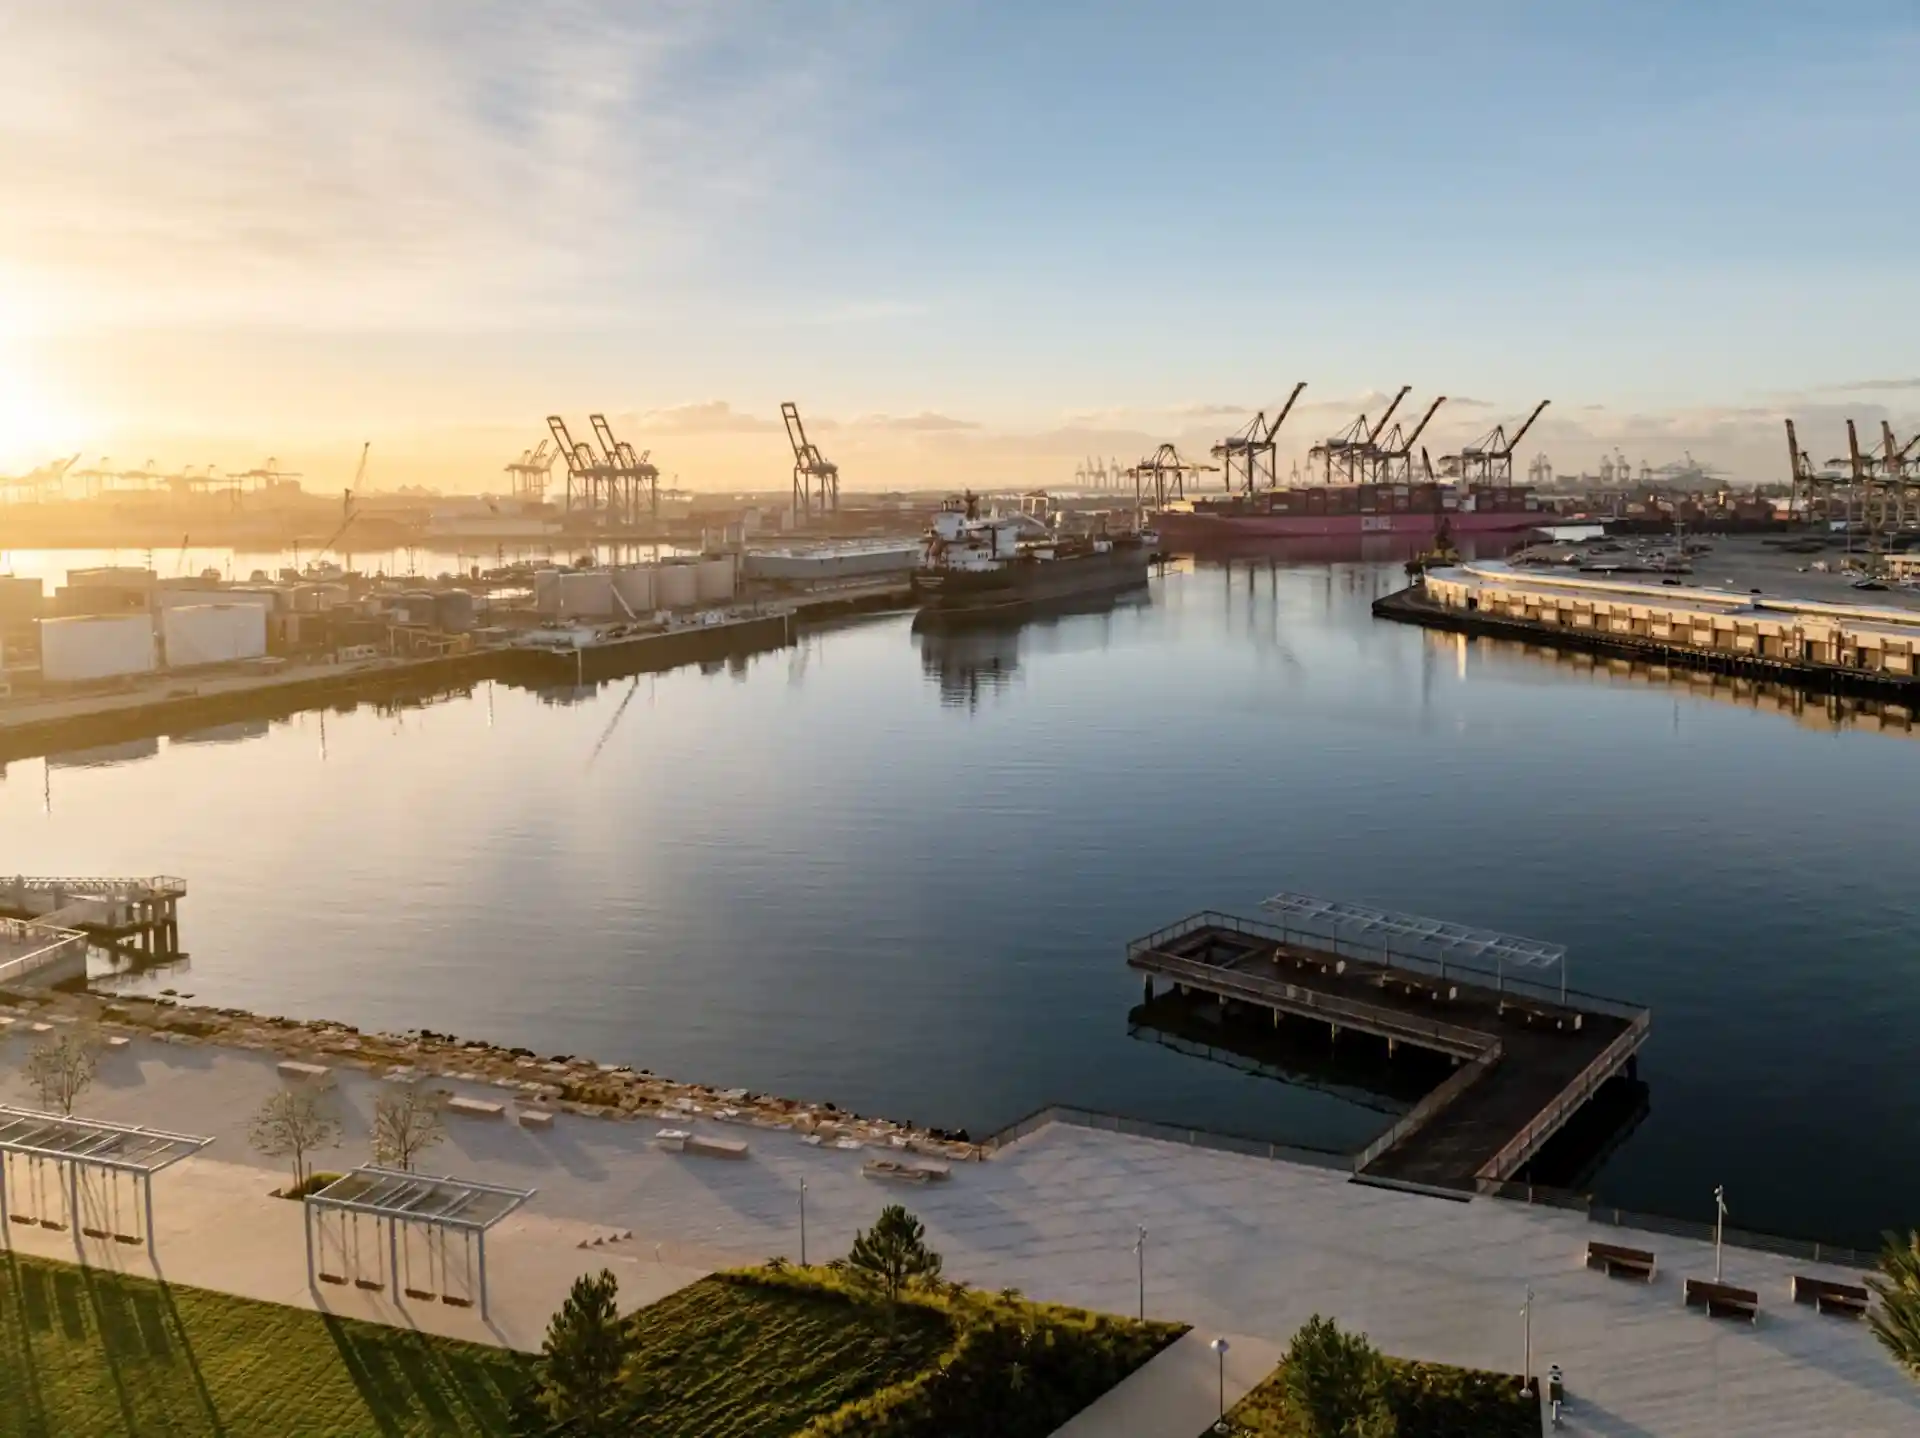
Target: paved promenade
{"points": [[1235, 1245]]}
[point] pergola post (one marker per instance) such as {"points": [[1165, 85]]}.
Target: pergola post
{"points": [[146, 1194], [306, 1223], [393, 1258], [483, 1275]]}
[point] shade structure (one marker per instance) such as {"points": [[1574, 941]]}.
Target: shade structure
{"points": [[401, 1202], [31, 1141], [1370, 930]]}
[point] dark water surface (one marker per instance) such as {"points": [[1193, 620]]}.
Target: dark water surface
{"points": [[898, 872]]}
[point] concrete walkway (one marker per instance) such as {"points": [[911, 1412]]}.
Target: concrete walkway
{"points": [[1235, 1245], [1179, 1393]]}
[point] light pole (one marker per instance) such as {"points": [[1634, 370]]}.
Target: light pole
{"points": [[1219, 1346], [803, 1223], [1140, 1252], [1526, 1357], [1719, 1222]]}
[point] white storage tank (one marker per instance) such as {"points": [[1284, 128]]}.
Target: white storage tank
{"points": [[586, 594], [715, 582], [634, 584], [546, 591], [677, 585], [195, 634], [96, 647]]}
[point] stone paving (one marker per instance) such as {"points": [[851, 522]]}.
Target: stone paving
{"points": [[1235, 1245]]}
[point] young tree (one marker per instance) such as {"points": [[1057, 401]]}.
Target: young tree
{"points": [[893, 1253], [407, 1121], [60, 1068], [1336, 1383], [587, 1346], [295, 1122], [1896, 1319]]}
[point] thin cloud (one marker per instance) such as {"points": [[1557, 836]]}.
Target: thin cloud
{"points": [[362, 165], [714, 416], [925, 422], [1869, 384], [1209, 411]]}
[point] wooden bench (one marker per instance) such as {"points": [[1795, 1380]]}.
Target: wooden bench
{"points": [[474, 1107], [1723, 1300], [294, 1069], [535, 1118], [1618, 1262], [1847, 1299], [716, 1147]]}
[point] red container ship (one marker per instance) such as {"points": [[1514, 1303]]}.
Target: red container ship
{"points": [[1414, 510]]}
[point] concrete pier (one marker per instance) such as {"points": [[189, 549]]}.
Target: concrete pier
{"points": [[1528, 1054]]}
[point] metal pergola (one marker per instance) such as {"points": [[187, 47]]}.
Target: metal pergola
{"points": [[83, 1143], [1376, 931], [393, 1197]]}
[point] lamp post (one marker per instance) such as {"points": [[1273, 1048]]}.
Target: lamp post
{"points": [[1140, 1252], [1219, 1346], [1526, 1355], [803, 1223], [1719, 1222]]}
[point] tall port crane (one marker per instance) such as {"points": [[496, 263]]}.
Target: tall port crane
{"points": [[1352, 450], [1250, 452], [1163, 476], [1394, 460], [1489, 459], [530, 472], [627, 478], [816, 479]]}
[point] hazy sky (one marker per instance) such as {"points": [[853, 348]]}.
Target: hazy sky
{"points": [[966, 234]]}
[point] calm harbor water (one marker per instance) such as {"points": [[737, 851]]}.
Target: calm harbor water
{"points": [[898, 872]]}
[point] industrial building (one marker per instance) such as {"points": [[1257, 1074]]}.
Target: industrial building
{"points": [[1873, 639]]}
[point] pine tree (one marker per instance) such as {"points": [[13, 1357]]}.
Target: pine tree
{"points": [[1896, 1320], [586, 1347], [1336, 1383], [894, 1253]]}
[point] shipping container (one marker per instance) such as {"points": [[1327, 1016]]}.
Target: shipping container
{"points": [[196, 634], [96, 647]]}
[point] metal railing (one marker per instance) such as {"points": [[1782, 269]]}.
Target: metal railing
{"points": [[1505, 982], [1422, 1113], [100, 888], [1807, 1250], [1165, 1132], [1389, 1023], [1518, 1149], [46, 945]]}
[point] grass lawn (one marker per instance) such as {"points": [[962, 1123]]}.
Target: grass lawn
{"points": [[1430, 1400], [728, 1358], [87, 1352]]}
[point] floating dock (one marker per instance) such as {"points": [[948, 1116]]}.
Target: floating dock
{"points": [[1529, 1051]]}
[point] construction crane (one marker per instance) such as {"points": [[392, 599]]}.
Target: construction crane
{"points": [[816, 479], [1489, 459], [348, 512], [1352, 449], [1250, 452], [1163, 475], [1393, 460]]}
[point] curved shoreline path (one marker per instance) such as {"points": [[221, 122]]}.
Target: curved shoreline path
{"points": [[1237, 1245]]}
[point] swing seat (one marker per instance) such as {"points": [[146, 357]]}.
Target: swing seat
{"points": [[451, 1301], [53, 1223], [95, 1232], [372, 1284], [22, 1218], [132, 1238], [333, 1278], [423, 1294]]}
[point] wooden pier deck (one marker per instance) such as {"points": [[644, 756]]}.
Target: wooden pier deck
{"points": [[1528, 1055], [136, 916]]}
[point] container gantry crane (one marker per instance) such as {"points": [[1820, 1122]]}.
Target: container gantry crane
{"points": [[1489, 459], [1352, 451], [1393, 461], [816, 479], [1250, 452]]}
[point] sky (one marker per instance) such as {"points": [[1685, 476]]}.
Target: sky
{"points": [[974, 241]]}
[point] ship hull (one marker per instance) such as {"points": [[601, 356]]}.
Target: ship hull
{"points": [[1183, 528], [1023, 589]]}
